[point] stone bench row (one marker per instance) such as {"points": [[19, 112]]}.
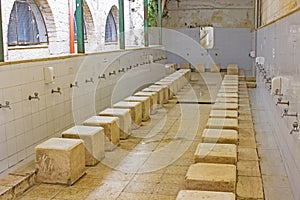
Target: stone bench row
{"points": [[63, 160], [213, 176]]}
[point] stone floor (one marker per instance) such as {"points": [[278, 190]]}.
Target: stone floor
{"points": [[153, 161]]}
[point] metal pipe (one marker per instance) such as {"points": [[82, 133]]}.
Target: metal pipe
{"points": [[159, 22], [71, 24], [121, 25], [80, 26], [146, 24], [1, 37]]}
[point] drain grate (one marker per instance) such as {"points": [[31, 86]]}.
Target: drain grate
{"points": [[194, 102]]}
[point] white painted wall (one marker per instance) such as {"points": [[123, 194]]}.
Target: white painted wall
{"points": [[28, 123]]}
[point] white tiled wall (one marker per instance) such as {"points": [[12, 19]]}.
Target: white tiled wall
{"points": [[279, 44], [28, 123]]}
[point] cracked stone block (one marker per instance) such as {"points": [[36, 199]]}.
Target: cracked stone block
{"points": [[222, 136], [211, 177], [136, 111], [225, 106], [111, 129], [216, 153], [227, 95], [153, 99], [124, 119], [209, 195], [145, 105], [60, 160], [215, 67], [94, 140], [222, 123], [223, 114], [249, 187]]}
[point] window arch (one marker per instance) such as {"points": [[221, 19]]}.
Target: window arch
{"points": [[111, 34], [26, 24]]}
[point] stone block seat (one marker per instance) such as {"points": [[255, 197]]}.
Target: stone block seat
{"points": [[233, 69], [60, 160], [225, 106], [111, 129], [165, 91], [226, 100], [153, 99], [136, 111], [228, 90], [94, 142], [175, 83], [216, 153], [145, 105], [207, 195], [222, 136], [211, 177], [170, 68], [160, 92], [124, 119], [228, 95], [200, 67], [187, 73], [179, 78], [170, 86], [223, 114], [229, 83], [215, 67], [185, 65], [222, 123]]}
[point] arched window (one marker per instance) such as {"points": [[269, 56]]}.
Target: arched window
{"points": [[110, 29], [26, 24]]}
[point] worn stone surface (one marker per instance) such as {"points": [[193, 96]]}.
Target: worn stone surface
{"points": [[222, 136], [60, 160], [216, 153], [209, 195], [226, 100], [247, 142], [94, 142], [6, 193], [124, 119], [248, 168], [145, 105], [249, 187], [171, 86], [160, 92], [247, 154], [223, 114], [211, 177], [225, 106], [225, 123], [185, 65], [228, 95], [111, 129], [153, 99], [18, 184], [165, 89], [187, 73], [136, 110], [215, 67]]}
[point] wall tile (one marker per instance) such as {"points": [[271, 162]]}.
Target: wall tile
{"points": [[3, 150], [3, 165], [12, 146], [2, 133], [10, 130]]}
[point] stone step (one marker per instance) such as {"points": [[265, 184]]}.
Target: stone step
{"points": [[223, 114], [222, 136], [216, 153], [94, 142], [124, 119], [60, 160], [111, 129], [208, 195], [222, 123], [211, 177]]}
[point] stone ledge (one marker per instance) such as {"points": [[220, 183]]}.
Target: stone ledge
{"points": [[220, 136]]}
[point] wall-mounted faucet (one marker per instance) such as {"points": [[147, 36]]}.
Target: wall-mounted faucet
{"points": [[277, 93], [91, 80], [75, 84], [287, 114], [130, 67], [122, 70], [279, 101], [36, 96], [112, 73], [295, 127], [102, 76], [6, 105], [58, 90]]}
